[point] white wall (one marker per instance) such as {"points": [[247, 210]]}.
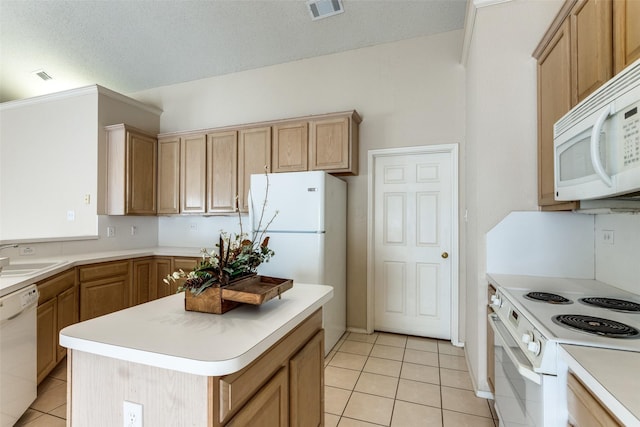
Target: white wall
{"points": [[551, 244], [618, 260], [49, 153], [501, 142], [409, 93]]}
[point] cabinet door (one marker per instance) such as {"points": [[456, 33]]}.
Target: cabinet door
{"points": [[67, 314], [141, 174], [290, 147], [159, 289], [254, 156], [591, 44], [193, 169], [306, 384], [333, 143], [141, 278], [268, 407], [47, 341], [222, 171], [169, 176], [554, 100], [626, 42], [103, 296]]}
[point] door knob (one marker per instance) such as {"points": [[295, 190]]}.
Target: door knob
{"points": [[445, 255]]}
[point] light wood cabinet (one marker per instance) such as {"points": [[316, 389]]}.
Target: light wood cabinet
{"points": [[268, 407], [193, 173], [163, 266], [57, 309], [222, 171], [131, 158], [584, 409], [626, 33], [333, 143], [141, 280], [306, 384], [46, 342], [290, 147], [299, 396], [104, 288], [554, 100], [254, 156], [591, 47], [169, 176]]}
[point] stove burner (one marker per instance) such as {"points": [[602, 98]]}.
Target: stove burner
{"points": [[612, 304], [596, 326], [548, 297]]}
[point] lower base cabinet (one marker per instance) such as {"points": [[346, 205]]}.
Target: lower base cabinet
{"points": [[585, 410], [57, 309], [282, 387]]}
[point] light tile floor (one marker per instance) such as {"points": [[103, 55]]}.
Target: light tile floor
{"points": [[370, 380], [400, 381]]}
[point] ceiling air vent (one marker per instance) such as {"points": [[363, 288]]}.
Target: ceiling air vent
{"points": [[43, 75], [324, 8]]}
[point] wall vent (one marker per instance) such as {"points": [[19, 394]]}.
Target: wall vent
{"points": [[43, 75], [324, 8]]}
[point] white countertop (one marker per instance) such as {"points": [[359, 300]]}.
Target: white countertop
{"points": [[161, 333], [11, 284], [612, 375]]}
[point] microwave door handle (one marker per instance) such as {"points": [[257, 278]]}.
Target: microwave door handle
{"points": [[595, 146]]}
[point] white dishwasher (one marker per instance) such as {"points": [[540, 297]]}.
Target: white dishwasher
{"points": [[18, 376]]}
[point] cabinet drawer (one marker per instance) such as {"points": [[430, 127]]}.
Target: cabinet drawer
{"points": [[236, 389], [106, 269], [51, 287]]}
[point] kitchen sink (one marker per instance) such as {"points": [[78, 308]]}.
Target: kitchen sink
{"points": [[26, 269]]}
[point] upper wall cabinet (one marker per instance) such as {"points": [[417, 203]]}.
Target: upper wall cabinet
{"points": [[626, 48], [254, 156], [209, 171], [222, 171], [131, 172], [585, 43], [169, 176], [334, 143], [290, 147]]}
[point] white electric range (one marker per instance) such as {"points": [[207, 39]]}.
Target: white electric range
{"points": [[530, 379]]}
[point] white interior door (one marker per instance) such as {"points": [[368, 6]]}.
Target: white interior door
{"points": [[413, 214]]}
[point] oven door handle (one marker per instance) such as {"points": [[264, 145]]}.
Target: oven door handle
{"points": [[515, 354]]}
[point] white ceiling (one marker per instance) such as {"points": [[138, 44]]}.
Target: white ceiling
{"points": [[129, 45]]}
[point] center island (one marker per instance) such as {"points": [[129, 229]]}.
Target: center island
{"points": [[252, 366]]}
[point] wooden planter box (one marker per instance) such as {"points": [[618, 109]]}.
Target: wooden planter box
{"points": [[253, 290]]}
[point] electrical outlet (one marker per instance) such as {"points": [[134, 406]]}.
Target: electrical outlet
{"points": [[26, 250], [193, 226], [131, 414], [87, 199], [607, 237], [71, 215], [134, 230], [111, 231]]}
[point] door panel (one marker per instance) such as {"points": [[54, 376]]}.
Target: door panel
{"points": [[413, 209]]}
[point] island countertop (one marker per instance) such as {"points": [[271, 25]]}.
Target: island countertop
{"points": [[161, 333]]}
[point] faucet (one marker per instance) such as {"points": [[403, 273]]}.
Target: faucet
{"points": [[8, 246]]}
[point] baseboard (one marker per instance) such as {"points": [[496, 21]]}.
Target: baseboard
{"points": [[485, 394]]}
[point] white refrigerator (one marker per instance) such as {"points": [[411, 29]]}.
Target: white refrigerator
{"points": [[308, 235]]}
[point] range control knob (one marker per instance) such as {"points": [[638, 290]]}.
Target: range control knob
{"points": [[496, 301], [534, 347], [527, 337]]}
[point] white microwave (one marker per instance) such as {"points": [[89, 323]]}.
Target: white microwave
{"points": [[597, 143]]}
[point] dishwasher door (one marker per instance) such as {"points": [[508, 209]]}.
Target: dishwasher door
{"points": [[18, 376]]}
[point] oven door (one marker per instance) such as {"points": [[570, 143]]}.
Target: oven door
{"points": [[523, 397]]}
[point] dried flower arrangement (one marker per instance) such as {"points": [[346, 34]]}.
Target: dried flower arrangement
{"points": [[235, 257]]}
